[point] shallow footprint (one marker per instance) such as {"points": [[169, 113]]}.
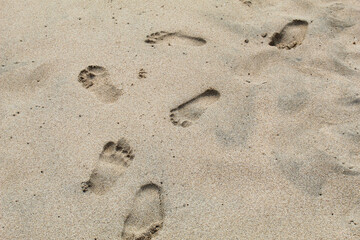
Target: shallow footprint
{"points": [[175, 38], [292, 35], [96, 79], [147, 214], [185, 114], [113, 161], [311, 172]]}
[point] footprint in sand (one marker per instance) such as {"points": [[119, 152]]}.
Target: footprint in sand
{"points": [[341, 16], [96, 79], [292, 35], [147, 214], [113, 161], [185, 114], [310, 173], [174, 38]]}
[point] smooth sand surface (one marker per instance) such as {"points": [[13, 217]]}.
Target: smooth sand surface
{"points": [[131, 119]]}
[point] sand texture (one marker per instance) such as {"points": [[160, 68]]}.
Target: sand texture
{"points": [[180, 120]]}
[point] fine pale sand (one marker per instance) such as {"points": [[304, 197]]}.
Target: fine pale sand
{"points": [[130, 119]]}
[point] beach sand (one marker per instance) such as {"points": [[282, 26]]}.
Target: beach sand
{"points": [[180, 119]]}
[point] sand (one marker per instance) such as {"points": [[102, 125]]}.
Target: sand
{"points": [[180, 119]]}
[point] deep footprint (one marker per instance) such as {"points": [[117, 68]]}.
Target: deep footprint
{"points": [[96, 79], [147, 214], [292, 35], [113, 161], [174, 38], [185, 114]]}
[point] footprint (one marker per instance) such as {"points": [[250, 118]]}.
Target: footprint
{"points": [[310, 173], [113, 161], [147, 214], [292, 35], [341, 16], [185, 114], [174, 38], [28, 81], [96, 79]]}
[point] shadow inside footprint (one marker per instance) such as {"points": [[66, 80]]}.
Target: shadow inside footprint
{"points": [[292, 35], [113, 161], [175, 38], [147, 214], [96, 79], [185, 114]]}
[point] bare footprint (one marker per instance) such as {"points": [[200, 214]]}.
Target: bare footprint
{"points": [[96, 79], [174, 38], [185, 114], [113, 161], [292, 35], [147, 214]]}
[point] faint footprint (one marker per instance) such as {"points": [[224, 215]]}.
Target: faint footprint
{"points": [[96, 79], [292, 35], [311, 173], [113, 161], [191, 110], [175, 38], [341, 16], [27, 81], [147, 214]]}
